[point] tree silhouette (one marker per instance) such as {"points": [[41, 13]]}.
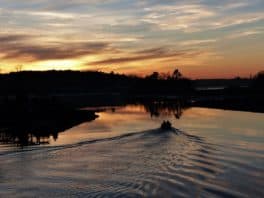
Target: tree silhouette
{"points": [[19, 68], [154, 76], [259, 75], [176, 75]]}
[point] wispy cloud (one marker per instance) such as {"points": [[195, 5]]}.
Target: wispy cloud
{"points": [[177, 16], [197, 42], [22, 46], [243, 34], [103, 32], [148, 54], [199, 17]]}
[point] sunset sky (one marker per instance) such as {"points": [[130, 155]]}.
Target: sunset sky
{"points": [[203, 38]]}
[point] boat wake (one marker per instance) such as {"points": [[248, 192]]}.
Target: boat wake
{"points": [[150, 163]]}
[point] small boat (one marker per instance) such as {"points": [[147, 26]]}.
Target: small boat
{"points": [[166, 125]]}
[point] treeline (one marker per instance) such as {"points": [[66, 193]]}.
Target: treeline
{"points": [[68, 82], [60, 82], [258, 82]]}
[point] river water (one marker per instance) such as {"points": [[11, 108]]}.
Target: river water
{"points": [[210, 153]]}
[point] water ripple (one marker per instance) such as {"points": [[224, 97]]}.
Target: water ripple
{"points": [[152, 163]]}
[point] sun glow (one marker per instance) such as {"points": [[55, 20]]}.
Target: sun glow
{"points": [[55, 65], [202, 39]]}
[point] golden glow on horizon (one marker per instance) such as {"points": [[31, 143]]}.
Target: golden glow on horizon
{"points": [[202, 39], [54, 64]]}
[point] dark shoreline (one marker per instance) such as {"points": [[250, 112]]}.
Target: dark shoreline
{"points": [[33, 120], [73, 102], [26, 125], [76, 89], [37, 105]]}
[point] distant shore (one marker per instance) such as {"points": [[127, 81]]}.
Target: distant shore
{"points": [[72, 90]]}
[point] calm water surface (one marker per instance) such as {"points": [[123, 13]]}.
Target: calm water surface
{"points": [[213, 153]]}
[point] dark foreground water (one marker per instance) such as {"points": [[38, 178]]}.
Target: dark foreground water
{"points": [[212, 153]]}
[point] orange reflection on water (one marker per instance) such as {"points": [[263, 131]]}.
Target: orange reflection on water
{"points": [[109, 124], [216, 125]]}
